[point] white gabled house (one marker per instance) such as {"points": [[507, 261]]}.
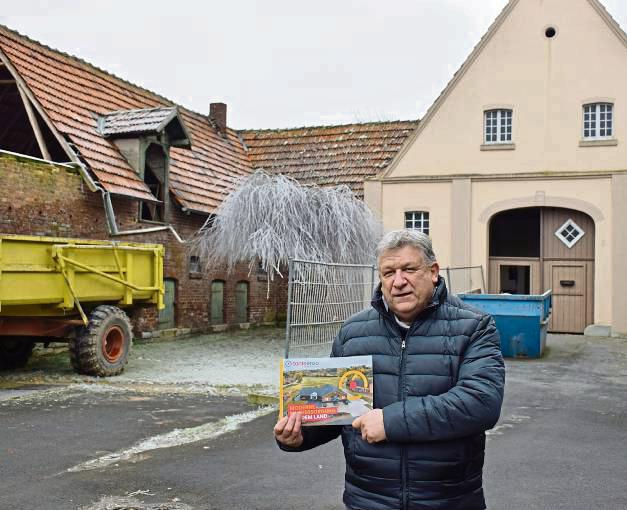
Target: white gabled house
{"points": [[520, 165]]}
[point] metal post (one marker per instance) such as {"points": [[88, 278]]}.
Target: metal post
{"points": [[485, 289], [373, 285], [290, 277]]}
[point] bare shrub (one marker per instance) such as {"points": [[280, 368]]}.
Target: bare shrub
{"points": [[272, 218]]}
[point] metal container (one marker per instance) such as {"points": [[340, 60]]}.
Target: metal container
{"points": [[522, 320]]}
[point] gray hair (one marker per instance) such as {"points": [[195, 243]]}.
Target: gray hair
{"points": [[407, 237]]}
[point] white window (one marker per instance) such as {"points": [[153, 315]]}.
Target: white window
{"points": [[569, 233], [418, 220], [598, 120], [498, 126]]}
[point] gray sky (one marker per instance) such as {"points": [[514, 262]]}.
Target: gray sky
{"points": [[276, 63]]}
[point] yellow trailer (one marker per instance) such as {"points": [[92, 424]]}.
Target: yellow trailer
{"points": [[54, 289]]}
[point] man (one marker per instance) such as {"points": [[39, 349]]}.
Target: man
{"points": [[438, 386]]}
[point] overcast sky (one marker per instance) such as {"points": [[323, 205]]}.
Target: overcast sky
{"points": [[276, 63]]}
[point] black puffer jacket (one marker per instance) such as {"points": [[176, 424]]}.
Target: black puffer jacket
{"points": [[439, 394]]}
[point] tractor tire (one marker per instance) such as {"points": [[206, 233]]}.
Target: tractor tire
{"points": [[15, 351], [103, 346]]}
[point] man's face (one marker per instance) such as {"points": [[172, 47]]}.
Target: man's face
{"points": [[407, 283]]}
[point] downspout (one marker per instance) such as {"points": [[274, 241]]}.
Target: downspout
{"points": [[112, 226]]}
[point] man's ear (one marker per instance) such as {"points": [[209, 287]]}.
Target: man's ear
{"points": [[435, 272]]}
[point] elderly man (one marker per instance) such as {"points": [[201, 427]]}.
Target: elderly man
{"points": [[438, 386]]}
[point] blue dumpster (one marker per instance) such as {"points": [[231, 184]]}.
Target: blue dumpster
{"points": [[522, 320]]}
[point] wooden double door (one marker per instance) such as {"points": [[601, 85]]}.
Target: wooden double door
{"points": [[536, 249]]}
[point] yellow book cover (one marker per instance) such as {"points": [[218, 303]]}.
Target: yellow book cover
{"points": [[326, 391]]}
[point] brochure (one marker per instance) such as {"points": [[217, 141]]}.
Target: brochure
{"points": [[327, 391]]}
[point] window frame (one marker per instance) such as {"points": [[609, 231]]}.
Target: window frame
{"points": [[424, 218], [500, 123], [597, 121]]}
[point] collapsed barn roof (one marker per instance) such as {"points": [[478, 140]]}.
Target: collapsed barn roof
{"points": [[89, 108]]}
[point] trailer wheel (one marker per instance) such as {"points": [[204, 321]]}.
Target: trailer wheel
{"points": [[102, 347], [15, 351]]}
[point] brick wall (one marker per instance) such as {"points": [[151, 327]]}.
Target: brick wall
{"points": [[47, 200]]}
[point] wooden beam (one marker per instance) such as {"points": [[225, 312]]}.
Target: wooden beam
{"points": [[62, 141], [35, 125], [7, 82], [21, 83]]}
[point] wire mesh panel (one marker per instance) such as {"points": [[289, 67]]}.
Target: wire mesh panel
{"points": [[464, 279], [321, 297]]}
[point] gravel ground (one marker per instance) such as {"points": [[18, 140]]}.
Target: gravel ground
{"points": [[246, 360]]}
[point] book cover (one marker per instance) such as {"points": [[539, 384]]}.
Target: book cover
{"points": [[327, 391]]}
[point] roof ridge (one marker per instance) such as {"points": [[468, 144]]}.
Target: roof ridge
{"points": [[95, 68], [320, 126], [113, 112]]}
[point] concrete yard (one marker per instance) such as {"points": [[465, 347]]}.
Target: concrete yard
{"points": [[175, 431]]}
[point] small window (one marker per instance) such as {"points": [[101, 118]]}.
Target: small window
{"points": [[498, 126], [194, 264], [418, 220], [598, 120]]}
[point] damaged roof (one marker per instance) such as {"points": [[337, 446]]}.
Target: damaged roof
{"points": [[145, 121], [89, 107], [328, 155], [74, 94]]}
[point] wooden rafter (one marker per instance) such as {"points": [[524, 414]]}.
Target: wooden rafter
{"points": [[34, 124], [64, 144]]}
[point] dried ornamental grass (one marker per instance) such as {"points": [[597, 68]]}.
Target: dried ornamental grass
{"points": [[272, 218]]}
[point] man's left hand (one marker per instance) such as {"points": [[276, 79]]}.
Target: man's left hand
{"points": [[371, 426]]}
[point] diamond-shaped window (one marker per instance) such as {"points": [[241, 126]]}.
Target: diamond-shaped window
{"points": [[569, 233]]}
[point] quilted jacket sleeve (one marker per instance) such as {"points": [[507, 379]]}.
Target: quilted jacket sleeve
{"points": [[472, 406], [316, 436]]}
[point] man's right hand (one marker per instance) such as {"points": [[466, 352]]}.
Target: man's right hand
{"points": [[287, 430]]}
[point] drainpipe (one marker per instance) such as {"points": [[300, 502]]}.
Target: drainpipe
{"points": [[112, 226]]}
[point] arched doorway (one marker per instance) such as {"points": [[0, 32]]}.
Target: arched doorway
{"points": [[534, 249]]}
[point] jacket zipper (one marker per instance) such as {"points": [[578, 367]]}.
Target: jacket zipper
{"points": [[403, 448], [403, 397]]}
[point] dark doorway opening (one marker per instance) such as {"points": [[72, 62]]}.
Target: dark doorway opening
{"points": [[516, 233], [515, 279]]}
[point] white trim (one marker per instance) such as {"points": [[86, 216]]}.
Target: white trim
{"points": [[33, 158]]}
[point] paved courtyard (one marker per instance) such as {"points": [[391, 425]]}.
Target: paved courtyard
{"points": [[175, 431]]}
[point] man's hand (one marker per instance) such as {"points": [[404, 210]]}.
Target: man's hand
{"points": [[287, 430], [371, 426]]}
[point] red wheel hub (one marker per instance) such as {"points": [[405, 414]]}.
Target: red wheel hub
{"points": [[113, 344]]}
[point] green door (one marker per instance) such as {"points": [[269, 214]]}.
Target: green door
{"points": [[166, 316], [217, 302], [241, 302]]}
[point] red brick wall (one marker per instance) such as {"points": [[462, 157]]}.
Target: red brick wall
{"points": [[41, 199]]}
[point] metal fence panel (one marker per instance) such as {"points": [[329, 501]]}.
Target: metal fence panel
{"points": [[464, 279], [321, 297]]}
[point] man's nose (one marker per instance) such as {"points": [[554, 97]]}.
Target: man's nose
{"points": [[399, 279]]}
